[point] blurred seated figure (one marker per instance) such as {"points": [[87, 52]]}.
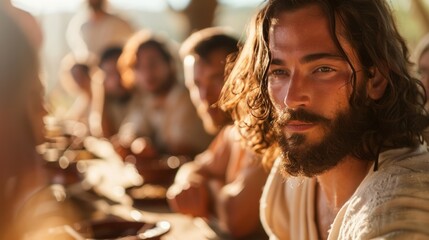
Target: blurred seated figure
{"points": [[26, 202], [162, 119], [113, 101], [92, 31], [77, 80], [226, 180]]}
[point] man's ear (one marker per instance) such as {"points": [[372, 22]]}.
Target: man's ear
{"points": [[376, 85]]}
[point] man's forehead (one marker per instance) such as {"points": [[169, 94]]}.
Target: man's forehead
{"points": [[310, 11], [289, 32]]}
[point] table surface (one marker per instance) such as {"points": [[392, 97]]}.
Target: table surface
{"points": [[108, 173], [182, 226]]}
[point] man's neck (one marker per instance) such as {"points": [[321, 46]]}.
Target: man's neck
{"points": [[334, 188], [339, 183]]}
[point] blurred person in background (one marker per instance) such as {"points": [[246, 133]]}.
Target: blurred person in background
{"points": [[27, 204], [112, 96], [226, 180], [92, 31], [77, 79], [161, 117]]}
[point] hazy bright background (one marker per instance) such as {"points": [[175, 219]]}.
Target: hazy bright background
{"points": [[167, 17]]}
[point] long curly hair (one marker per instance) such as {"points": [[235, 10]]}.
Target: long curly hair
{"points": [[368, 25]]}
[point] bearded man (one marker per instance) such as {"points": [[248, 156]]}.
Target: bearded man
{"points": [[323, 86]]}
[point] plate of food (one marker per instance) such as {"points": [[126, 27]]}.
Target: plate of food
{"points": [[121, 229]]}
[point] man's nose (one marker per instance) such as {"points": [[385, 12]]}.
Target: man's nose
{"points": [[297, 92]]}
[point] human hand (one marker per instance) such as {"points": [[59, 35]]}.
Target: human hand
{"points": [[191, 198], [143, 148], [119, 148]]}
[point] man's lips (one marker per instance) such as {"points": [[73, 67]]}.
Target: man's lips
{"points": [[298, 126]]}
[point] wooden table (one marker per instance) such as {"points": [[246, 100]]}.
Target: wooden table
{"points": [[182, 226]]}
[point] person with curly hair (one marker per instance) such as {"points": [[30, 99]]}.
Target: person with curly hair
{"points": [[323, 87]]}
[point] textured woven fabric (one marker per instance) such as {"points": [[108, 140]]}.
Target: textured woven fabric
{"points": [[391, 203]]}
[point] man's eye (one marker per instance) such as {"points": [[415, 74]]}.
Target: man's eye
{"points": [[278, 76], [324, 69], [278, 72]]}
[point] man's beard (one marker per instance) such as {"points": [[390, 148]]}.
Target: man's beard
{"points": [[342, 135]]}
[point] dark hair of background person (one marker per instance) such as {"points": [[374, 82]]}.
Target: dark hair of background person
{"points": [[82, 67], [368, 25], [139, 42], [18, 92], [110, 53], [207, 41]]}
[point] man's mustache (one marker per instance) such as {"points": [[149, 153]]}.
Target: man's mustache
{"points": [[287, 115]]}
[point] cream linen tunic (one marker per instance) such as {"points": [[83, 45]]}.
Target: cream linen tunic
{"points": [[391, 203]]}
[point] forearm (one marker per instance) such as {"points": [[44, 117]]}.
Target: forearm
{"points": [[236, 207], [189, 194], [236, 204]]}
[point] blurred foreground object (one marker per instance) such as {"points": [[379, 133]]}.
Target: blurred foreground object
{"points": [[27, 23], [26, 200]]}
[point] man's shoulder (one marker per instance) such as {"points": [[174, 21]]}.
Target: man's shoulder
{"points": [[402, 172], [398, 162], [399, 169], [400, 187]]}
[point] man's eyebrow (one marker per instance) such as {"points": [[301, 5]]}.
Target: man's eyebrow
{"points": [[276, 61], [317, 56], [311, 58]]}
